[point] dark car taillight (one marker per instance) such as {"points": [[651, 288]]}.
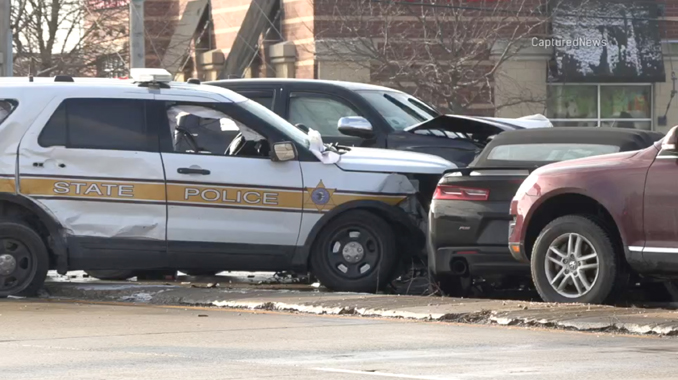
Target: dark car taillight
{"points": [[458, 193]]}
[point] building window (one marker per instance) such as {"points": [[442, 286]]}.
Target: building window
{"points": [[111, 66], [600, 105]]}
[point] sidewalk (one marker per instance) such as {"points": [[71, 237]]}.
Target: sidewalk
{"points": [[514, 313]]}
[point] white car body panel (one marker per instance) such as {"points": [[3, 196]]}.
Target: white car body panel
{"points": [[234, 216], [344, 187], [104, 176], [392, 161]]}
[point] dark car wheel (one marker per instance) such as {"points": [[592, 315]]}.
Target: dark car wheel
{"points": [[24, 260], [672, 289], [454, 286], [355, 252], [115, 275], [573, 260]]}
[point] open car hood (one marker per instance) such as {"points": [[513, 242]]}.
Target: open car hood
{"points": [[480, 125]]}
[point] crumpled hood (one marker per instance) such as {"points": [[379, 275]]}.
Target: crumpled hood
{"points": [[482, 125], [592, 163], [392, 161]]}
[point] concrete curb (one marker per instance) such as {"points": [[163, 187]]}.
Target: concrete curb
{"points": [[593, 318]]}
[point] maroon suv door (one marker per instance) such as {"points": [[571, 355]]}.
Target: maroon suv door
{"points": [[660, 215]]}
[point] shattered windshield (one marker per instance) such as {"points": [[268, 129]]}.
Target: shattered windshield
{"points": [[399, 109]]}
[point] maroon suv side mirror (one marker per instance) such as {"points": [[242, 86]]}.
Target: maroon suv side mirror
{"points": [[671, 139]]}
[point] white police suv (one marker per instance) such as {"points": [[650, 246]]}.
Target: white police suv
{"points": [[107, 174]]}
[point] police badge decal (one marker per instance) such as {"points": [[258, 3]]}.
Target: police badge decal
{"points": [[319, 197]]}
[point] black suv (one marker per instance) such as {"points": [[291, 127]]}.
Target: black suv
{"points": [[358, 114]]}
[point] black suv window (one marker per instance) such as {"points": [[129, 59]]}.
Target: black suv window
{"points": [[116, 124], [318, 112], [265, 98]]}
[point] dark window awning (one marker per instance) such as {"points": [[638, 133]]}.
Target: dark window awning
{"points": [[604, 41]]}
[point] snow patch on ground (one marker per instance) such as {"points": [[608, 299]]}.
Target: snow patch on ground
{"points": [[75, 276], [138, 297], [99, 287], [341, 310]]}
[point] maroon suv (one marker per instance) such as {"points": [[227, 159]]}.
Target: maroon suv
{"points": [[585, 225]]}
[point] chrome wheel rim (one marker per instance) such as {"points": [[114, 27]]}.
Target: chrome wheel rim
{"points": [[572, 265]]}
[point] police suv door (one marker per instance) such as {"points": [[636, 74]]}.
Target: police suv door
{"points": [[225, 212], [93, 162]]}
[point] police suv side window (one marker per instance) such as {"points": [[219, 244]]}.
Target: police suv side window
{"points": [[115, 124]]}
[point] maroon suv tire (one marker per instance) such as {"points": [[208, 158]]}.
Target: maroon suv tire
{"points": [[574, 260]]}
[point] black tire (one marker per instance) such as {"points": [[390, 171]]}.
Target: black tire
{"points": [[23, 252], [379, 252], [454, 286], [154, 275], [672, 290], [611, 277], [111, 275]]}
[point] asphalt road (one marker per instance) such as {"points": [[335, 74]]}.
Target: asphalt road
{"points": [[54, 340]]}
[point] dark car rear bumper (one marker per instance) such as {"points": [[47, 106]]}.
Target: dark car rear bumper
{"points": [[474, 232], [481, 261]]}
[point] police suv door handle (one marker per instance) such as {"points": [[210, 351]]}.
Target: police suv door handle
{"points": [[193, 171]]}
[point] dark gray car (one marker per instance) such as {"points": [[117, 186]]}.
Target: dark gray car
{"points": [[358, 114]]}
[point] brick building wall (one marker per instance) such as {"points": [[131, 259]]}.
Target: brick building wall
{"points": [[310, 26], [227, 17], [160, 21], [408, 34]]}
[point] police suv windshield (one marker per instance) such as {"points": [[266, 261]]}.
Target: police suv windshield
{"points": [[276, 121], [399, 109]]}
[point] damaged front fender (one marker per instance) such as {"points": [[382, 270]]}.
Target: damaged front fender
{"points": [[416, 211]]}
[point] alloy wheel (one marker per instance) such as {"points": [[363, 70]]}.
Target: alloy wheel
{"points": [[572, 265]]}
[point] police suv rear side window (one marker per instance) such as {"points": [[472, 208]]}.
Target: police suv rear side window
{"points": [[115, 124], [6, 107]]}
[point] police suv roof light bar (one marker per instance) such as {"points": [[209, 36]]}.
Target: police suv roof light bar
{"points": [[156, 78]]}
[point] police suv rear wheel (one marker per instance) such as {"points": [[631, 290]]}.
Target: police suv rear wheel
{"points": [[355, 252], [24, 259]]}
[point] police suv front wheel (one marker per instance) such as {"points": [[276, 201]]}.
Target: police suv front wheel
{"points": [[24, 259], [355, 252]]}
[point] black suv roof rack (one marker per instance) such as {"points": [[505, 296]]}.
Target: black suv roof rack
{"points": [[193, 81]]}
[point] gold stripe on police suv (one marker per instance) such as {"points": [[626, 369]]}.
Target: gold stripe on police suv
{"points": [[317, 199], [93, 189], [235, 196]]}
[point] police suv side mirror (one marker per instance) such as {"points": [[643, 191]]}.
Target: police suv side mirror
{"points": [[283, 151], [356, 126]]}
